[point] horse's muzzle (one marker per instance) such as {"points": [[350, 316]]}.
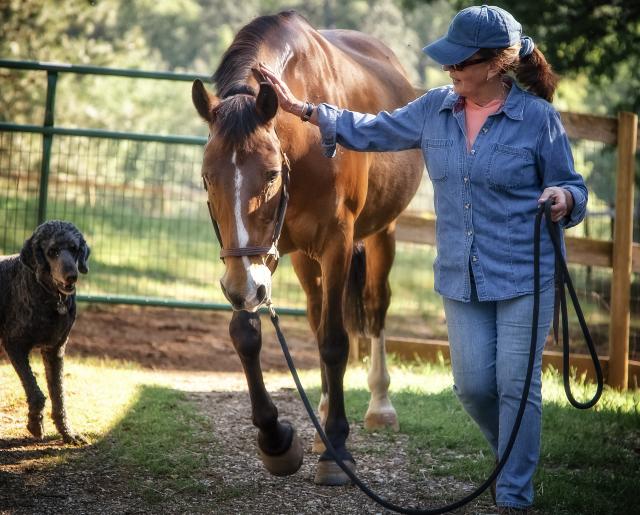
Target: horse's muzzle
{"points": [[250, 291]]}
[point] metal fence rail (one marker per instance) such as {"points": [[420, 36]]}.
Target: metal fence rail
{"points": [[139, 200]]}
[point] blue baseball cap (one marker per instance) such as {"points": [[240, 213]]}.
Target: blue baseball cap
{"points": [[473, 28]]}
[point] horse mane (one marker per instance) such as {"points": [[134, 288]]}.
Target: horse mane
{"points": [[236, 119], [238, 60]]}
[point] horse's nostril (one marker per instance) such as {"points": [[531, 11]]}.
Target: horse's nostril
{"points": [[236, 301], [261, 293]]}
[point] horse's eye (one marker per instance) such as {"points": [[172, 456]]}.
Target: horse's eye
{"points": [[272, 175]]}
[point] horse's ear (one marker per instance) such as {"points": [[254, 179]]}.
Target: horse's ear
{"points": [[267, 102], [203, 101]]}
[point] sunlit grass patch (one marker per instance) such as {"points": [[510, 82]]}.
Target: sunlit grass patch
{"points": [[142, 429], [97, 394], [589, 459]]}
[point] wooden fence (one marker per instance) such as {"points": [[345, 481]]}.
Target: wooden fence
{"points": [[621, 254]]}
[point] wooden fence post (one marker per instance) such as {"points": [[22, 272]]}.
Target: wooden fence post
{"points": [[622, 247]]}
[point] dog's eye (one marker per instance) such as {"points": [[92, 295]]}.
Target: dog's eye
{"points": [[53, 252]]}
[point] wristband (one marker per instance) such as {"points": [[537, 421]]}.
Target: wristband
{"points": [[307, 111]]}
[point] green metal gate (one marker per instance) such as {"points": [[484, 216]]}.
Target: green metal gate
{"points": [[138, 199]]}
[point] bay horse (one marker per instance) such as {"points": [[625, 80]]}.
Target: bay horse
{"points": [[253, 152]]}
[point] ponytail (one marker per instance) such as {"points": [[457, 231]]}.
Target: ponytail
{"points": [[535, 73]]}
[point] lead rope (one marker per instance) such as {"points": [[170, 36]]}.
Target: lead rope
{"points": [[542, 209], [563, 278]]}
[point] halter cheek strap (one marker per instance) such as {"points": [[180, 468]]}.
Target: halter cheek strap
{"points": [[279, 223]]}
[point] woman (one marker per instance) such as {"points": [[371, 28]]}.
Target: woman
{"points": [[493, 151]]}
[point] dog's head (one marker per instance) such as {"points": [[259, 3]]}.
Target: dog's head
{"points": [[56, 251]]}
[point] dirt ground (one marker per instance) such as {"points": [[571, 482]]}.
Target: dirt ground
{"points": [[193, 348], [178, 339]]}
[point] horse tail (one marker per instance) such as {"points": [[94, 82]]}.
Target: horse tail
{"points": [[354, 308]]}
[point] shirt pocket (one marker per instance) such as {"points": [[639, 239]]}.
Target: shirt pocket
{"points": [[437, 156], [510, 168]]}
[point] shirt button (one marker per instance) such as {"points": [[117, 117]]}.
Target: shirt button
{"points": [[466, 179], [474, 258], [484, 130], [467, 206], [469, 233], [473, 152]]}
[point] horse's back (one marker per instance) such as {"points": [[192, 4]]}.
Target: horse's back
{"points": [[376, 60], [375, 81]]}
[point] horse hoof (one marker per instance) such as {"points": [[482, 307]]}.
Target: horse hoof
{"points": [[318, 446], [329, 473], [382, 420], [287, 463]]}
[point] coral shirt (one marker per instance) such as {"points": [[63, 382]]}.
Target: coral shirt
{"points": [[475, 116]]}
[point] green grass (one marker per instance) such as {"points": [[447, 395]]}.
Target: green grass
{"points": [[159, 439], [138, 428], [147, 431], [147, 246], [589, 459]]}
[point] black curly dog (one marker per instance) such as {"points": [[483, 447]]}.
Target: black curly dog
{"points": [[38, 309]]}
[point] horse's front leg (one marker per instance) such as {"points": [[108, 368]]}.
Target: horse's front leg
{"points": [[279, 447], [310, 276], [333, 341]]}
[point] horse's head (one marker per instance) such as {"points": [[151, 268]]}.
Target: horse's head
{"points": [[245, 174]]}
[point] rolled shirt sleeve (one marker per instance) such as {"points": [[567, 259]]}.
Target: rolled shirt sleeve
{"points": [[398, 130], [557, 167]]}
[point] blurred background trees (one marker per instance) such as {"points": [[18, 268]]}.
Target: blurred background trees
{"points": [[593, 45]]}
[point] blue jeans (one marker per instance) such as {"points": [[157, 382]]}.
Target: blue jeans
{"points": [[490, 343]]}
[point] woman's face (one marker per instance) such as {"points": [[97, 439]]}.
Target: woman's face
{"points": [[471, 79]]}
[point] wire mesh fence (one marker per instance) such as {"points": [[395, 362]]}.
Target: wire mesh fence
{"points": [[142, 209]]}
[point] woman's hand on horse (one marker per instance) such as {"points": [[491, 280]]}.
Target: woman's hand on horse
{"points": [[287, 100], [562, 202]]}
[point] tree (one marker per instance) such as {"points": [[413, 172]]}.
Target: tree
{"points": [[597, 38]]}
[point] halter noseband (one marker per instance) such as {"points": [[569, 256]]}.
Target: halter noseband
{"points": [[282, 208]]}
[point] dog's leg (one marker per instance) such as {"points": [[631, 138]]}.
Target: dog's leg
{"points": [[53, 366], [35, 398]]}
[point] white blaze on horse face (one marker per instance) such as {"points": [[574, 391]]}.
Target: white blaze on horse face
{"points": [[256, 274], [242, 234]]}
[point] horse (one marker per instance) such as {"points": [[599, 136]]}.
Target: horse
{"points": [[338, 226]]}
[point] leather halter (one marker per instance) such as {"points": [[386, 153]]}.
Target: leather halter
{"points": [[279, 222]]}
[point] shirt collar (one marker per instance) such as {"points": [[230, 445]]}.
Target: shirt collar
{"points": [[513, 106]]}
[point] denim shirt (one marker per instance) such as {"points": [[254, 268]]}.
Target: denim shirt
{"points": [[486, 198]]}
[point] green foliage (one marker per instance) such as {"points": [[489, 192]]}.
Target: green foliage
{"points": [[597, 40]]}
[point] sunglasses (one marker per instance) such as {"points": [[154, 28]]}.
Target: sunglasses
{"points": [[461, 66]]}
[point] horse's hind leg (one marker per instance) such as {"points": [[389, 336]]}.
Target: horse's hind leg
{"points": [[380, 251], [279, 446], [310, 277]]}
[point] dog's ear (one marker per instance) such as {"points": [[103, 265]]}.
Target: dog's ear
{"points": [[33, 255], [26, 254], [83, 257]]}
